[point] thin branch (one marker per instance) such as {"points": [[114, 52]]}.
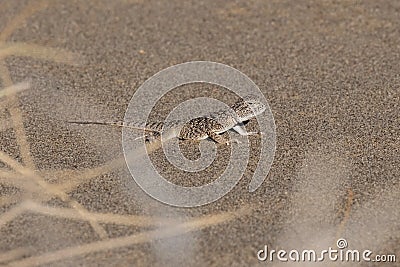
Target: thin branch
{"points": [[183, 228]]}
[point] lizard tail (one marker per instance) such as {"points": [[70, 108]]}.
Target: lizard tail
{"points": [[115, 123]]}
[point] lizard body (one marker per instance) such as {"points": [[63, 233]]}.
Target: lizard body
{"points": [[200, 128]]}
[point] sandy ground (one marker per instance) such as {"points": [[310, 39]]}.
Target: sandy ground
{"points": [[329, 70]]}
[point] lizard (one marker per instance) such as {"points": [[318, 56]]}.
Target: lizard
{"points": [[211, 126]]}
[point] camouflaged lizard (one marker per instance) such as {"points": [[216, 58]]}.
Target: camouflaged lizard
{"points": [[211, 126]]}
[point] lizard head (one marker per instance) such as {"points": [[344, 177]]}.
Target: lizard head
{"points": [[248, 107]]}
